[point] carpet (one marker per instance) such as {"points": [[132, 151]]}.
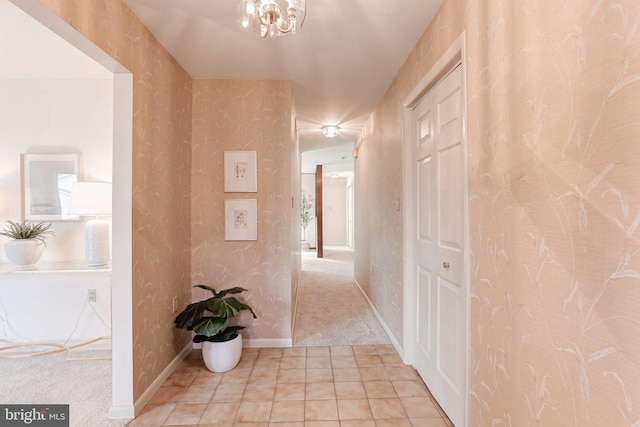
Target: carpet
{"points": [[83, 384], [331, 309]]}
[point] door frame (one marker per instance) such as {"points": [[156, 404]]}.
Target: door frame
{"points": [[121, 270], [456, 53]]}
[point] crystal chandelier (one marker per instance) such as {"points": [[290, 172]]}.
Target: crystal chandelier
{"points": [[272, 18], [331, 131]]}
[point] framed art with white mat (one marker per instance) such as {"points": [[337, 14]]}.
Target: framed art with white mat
{"points": [[240, 175], [240, 219]]}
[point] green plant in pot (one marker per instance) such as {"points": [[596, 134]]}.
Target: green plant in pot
{"points": [[221, 344], [27, 243]]}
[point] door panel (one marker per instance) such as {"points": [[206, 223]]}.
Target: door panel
{"points": [[450, 206], [424, 293], [424, 205], [439, 246], [449, 332]]}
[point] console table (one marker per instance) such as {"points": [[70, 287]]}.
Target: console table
{"points": [[56, 303]]}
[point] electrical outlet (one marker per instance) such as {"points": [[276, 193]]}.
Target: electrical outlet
{"points": [[175, 304], [91, 295]]}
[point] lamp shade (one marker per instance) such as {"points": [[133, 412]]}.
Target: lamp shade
{"points": [[90, 199]]}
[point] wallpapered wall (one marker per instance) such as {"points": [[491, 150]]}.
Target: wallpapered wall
{"points": [[245, 115], [552, 95], [161, 176]]}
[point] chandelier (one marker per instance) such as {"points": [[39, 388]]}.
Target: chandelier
{"points": [[331, 131], [272, 18]]}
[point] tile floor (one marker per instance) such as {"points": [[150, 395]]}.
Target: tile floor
{"points": [[345, 386]]}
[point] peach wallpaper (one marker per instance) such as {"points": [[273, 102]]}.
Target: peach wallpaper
{"points": [[161, 176], [552, 96], [245, 115]]}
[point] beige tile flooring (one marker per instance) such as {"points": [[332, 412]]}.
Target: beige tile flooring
{"points": [[345, 386]]}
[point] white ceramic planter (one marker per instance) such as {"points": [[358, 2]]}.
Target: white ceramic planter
{"points": [[24, 253], [222, 356]]}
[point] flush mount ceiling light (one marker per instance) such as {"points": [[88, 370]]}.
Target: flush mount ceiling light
{"points": [[272, 18], [330, 131]]}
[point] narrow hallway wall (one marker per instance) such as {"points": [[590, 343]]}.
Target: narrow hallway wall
{"points": [[245, 115], [553, 91]]}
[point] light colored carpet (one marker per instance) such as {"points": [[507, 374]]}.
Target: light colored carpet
{"points": [[84, 385], [331, 308]]}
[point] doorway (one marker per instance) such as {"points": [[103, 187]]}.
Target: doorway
{"points": [[436, 235], [121, 299], [331, 309]]}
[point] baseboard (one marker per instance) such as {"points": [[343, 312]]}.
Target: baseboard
{"points": [[121, 412], [260, 343], [386, 329], [157, 383], [295, 305], [267, 342], [55, 346]]}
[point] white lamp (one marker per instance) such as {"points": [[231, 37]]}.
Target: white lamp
{"points": [[93, 199]]}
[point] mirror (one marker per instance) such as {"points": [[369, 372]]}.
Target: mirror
{"points": [[47, 180]]}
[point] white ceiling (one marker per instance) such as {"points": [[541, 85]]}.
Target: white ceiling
{"points": [[29, 50], [341, 63]]}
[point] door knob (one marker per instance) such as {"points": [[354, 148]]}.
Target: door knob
{"points": [[446, 264]]}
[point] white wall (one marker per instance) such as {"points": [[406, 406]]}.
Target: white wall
{"points": [[54, 116], [334, 211], [38, 307]]}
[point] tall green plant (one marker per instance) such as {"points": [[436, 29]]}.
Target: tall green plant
{"points": [[305, 213]]}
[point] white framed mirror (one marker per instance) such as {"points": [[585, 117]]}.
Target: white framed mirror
{"points": [[46, 180]]}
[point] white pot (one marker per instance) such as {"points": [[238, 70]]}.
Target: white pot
{"points": [[24, 253], [222, 356]]}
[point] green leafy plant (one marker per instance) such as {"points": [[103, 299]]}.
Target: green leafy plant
{"points": [[207, 318], [305, 213], [22, 230]]}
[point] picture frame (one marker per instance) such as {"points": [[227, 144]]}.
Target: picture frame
{"points": [[240, 219], [46, 185], [240, 172]]}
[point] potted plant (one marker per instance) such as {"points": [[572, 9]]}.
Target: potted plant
{"points": [[221, 344], [305, 217], [28, 242]]}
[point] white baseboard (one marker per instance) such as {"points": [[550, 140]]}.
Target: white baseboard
{"points": [[259, 343], [295, 305], [267, 342], [386, 329], [157, 383], [121, 412]]}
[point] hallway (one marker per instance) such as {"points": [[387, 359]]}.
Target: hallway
{"points": [[331, 309], [340, 386], [341, 372]]}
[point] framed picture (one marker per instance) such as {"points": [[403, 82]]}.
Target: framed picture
{"points": [[46, 184], [240, 174], [241, 219]]}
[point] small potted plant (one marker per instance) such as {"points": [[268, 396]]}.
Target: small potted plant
{"points": [[26, 244], [221, 344]]}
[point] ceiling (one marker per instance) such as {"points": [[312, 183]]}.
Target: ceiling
{"points": [[341, 63], [29, 50]]}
